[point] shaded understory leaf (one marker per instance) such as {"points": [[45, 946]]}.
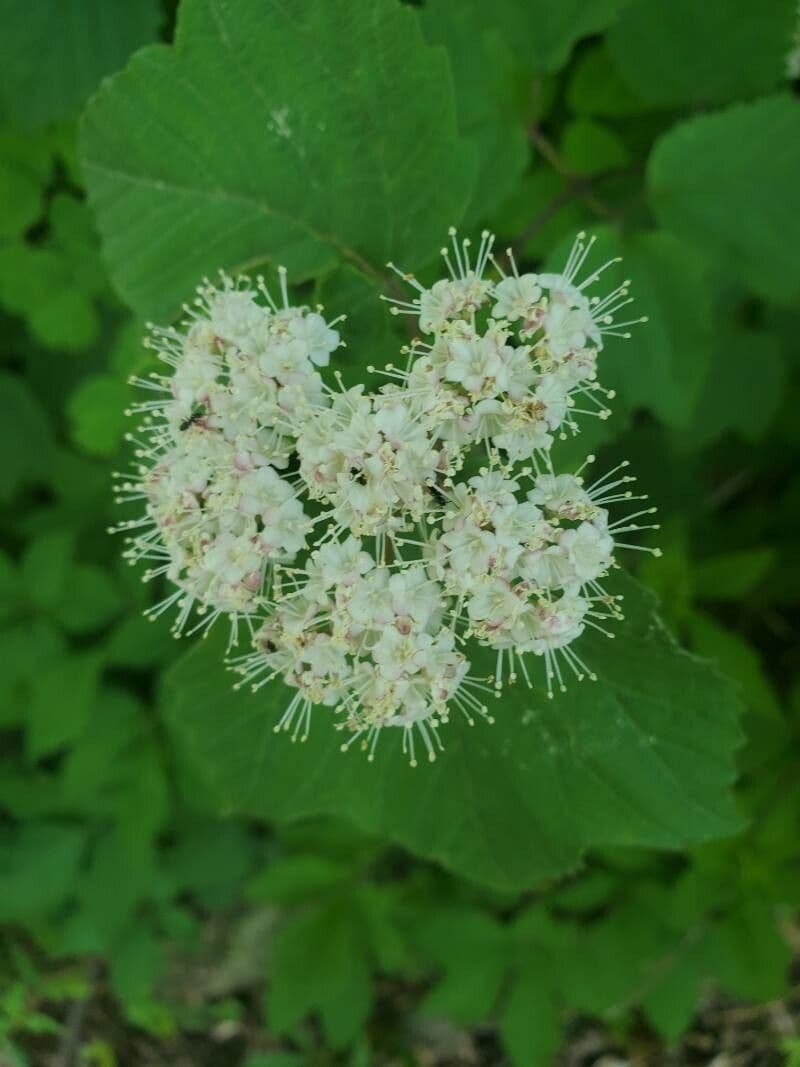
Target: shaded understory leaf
{"points": [[727, 184], [82, 40], [491, 114], [644, 756], [544, 32], [728, 49]]}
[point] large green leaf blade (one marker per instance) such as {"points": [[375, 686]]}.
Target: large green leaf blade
{"points": [[727, 184], [486, 74], [685, 53], [55, 52], [308, 134], [644, 756]]}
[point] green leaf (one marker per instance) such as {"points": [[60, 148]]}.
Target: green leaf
{"points": [[80, 596], [327, 161], [734, 655], [544, 32], [489, 112], [663, 364], [732, 575], [295, 879], [210, 860], [643, 756], [529, 1023], [114, 726], [671, 575], [83, 40], [330, 838], [67, 320], [274, 1059], [39, 284], [114, 766], [25, 166], [754, 954], [119, 876], [10, 587], [743, 388], [382, 929], [25, 650], [96, 412], [135, 965], [741, 952], [600, 966], [589, 892], [472, 950], [46, 564], [685, 53], [129, 356], [91, 599], [38, 865], [139, 643], [541, 198], [320, 965], [24, 420], [596, 89], [63, 694], [704, 174], [37, 1022], [72, 233], [588, 148], [671, 1002]]}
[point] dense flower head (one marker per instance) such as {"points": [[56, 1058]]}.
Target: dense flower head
{"points": [[214, 444], [510, 362], [372, 458], [371, 542], [369, 640]]}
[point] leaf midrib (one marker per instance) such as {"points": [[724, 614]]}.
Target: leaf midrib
{"points": [[261, 207]]}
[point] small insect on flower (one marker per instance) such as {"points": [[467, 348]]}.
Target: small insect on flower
{"points": [[373, 543]]}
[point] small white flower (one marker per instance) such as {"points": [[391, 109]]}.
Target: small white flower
{"points": [[235, 317], [552, 394], [317, 339], [471, 550], [589, 551], [565, 328], [477, 366], [437, 305], [547, 567], [516, 297], [559, 622], [563, 495], [339, 563], [523, 440]]}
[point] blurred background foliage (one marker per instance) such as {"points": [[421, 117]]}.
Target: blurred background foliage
{"points": [[143, 926]]}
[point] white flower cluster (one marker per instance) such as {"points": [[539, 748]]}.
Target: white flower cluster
{"points": [[512, 379], [215, 443], [368, 639], [367, 539]]}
